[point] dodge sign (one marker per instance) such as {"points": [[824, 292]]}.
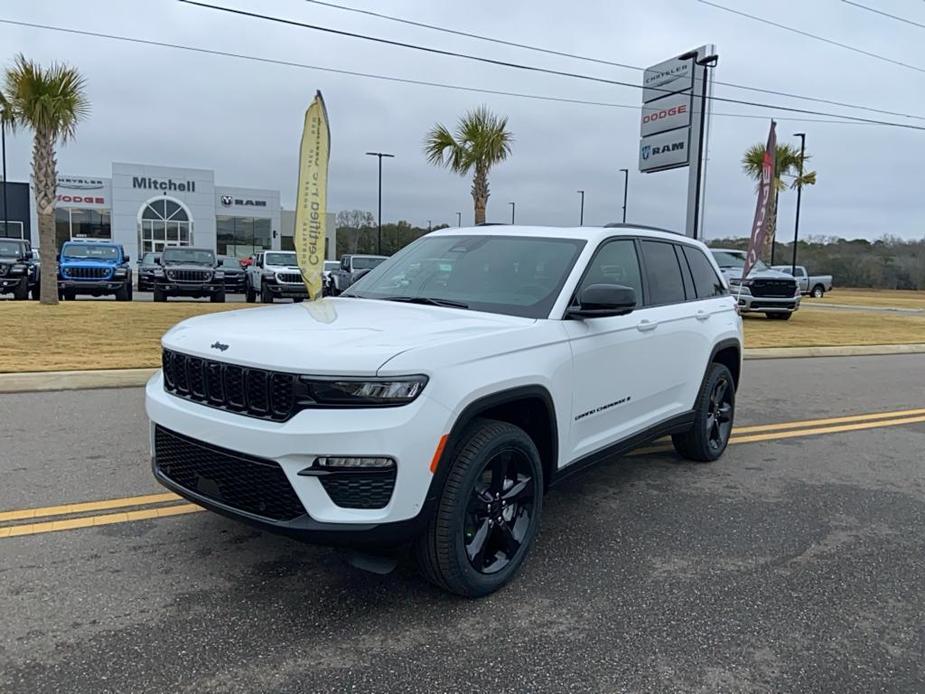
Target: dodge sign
{"points": [[666, 114]]}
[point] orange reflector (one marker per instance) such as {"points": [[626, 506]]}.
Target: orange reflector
{"points": [[437, 453]]}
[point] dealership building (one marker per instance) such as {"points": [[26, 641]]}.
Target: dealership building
{"points": [[148, 208]]}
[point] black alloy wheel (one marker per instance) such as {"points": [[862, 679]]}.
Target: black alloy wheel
{"points": [[500, 511], [718, 422], [714, 413]]}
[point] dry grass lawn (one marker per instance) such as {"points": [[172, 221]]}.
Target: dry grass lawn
{"points": [[110, 335], [897, 298]]}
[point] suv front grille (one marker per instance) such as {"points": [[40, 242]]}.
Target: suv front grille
{"points": [[180, 275], [289, 277], [253, 392], [87, 273], [776, 288], [243, 482]]}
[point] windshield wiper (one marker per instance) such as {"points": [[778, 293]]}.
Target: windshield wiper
{"points": [[426, 300]]}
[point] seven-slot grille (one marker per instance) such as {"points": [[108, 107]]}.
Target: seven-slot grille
{"points": [[250, 484], [87, 273], [769, 287], [289, 277], [252, 392], [182, 275]]}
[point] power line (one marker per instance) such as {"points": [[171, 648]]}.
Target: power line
{"points": [[599, 61], [388, 78], [875, 11], [832, 42], [528, 68]]}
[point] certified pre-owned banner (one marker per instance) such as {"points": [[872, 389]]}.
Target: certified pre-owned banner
{"points": [[311, 198], [763, 206]]}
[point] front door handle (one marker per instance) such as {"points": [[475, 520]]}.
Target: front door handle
{"points": [[702, 315], [645, 326]]}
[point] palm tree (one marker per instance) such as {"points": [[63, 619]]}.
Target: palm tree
{"points": [[786, 166], [481, 140], [49, 101]]}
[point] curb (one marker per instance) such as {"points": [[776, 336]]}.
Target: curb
{"points": [[38, 381]]}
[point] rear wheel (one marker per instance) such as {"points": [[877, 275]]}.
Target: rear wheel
{"points": [[818, 291], [714, 413], [488, 513]]}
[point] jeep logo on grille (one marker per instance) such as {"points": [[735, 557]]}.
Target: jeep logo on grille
{"points": [[219, 346]]}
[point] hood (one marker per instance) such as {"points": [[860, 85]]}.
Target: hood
{"points": [[90, 262], [187, 266], [736, 273], [282, 268], [334, 336]]}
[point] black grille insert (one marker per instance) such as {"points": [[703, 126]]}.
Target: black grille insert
{"points": [[181, 275], [360, 489], [254, 485], [253, 392], [775, 288], [87, 273]]}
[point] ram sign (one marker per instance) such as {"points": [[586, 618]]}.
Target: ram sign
{"points": [[666, 114], [664, 151]]}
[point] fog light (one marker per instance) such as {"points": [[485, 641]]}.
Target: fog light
{"points": [[330, 463]]}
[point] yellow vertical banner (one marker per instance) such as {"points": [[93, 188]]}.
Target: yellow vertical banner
{"points": [[311, 198]]}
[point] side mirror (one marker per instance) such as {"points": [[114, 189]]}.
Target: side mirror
{"points": [[57, 257], [127, 258], [28, 255], [157, 261], [603, 300]]}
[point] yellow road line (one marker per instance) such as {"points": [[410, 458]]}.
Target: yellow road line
{"points": [[104, 505], [831, 420], [88, 521], [826, 430]]}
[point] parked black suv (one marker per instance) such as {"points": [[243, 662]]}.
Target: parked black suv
{"points": [[189, 272], [234, 274], [19, 271], [147, 267]]}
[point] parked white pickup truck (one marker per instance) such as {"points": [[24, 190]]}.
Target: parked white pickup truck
{"points": [[814, 285]]}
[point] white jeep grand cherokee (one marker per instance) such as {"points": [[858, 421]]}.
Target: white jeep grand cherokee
{"points": [[436, 401]]}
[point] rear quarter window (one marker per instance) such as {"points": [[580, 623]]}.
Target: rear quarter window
{"points": [[663, 273], [706, 282]]}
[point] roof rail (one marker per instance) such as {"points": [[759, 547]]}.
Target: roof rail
{"points": [[626, 225], [492, 224]]}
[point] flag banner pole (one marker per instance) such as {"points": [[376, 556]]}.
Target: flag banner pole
{"points": [[311, 197], [763, 215]]}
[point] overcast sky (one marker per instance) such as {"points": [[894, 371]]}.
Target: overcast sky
{"points": [[243, 119]]}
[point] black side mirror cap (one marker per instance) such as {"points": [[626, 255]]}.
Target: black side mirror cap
{"points": [[127, 258], [157, 261], [603, 300]]}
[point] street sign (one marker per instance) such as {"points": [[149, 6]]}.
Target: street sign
{"points": [[666, 78], [666, 114], [664, 151]]}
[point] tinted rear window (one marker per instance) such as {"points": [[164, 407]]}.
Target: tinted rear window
{"points": [[663, 274], [706, 280]]}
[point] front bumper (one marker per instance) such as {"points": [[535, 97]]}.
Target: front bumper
{"points": [[189, 289], [235, 284], [9, 283], [767, 304], [408, 434], [287, 290], [92, 285]]}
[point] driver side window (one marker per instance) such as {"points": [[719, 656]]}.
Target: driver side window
{"points": [[615, 262]]}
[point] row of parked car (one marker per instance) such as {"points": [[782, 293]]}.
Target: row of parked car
{"points": [[96, 268]]}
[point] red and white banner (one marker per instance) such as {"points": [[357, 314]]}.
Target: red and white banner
{"points": [[763, 207]]}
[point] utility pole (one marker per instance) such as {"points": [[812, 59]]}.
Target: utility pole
{"points": [[581, 215], [513, 208], [626, 188], [379, 236], [796, 224], [459, 219], [6, 216]]}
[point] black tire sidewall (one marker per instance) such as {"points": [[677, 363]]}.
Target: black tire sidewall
{"points": [[716, 372]]}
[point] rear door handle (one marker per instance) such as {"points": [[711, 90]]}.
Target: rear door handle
{"points": [[645, 326], [702, 315]]}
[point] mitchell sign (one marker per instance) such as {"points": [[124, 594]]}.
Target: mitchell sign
{"points": [[148, 183]]}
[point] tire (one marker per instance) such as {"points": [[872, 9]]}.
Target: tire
{"points": [[297, 299], [709, 435], [21, 293], [250, 296], [818, 291], [124, 293], [69, 295], [464, 522], [36, 293], [159, 294], [778, 316], [266, 296], [218, 297]]}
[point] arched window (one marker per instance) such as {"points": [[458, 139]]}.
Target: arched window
{"points": [[164, 222]]}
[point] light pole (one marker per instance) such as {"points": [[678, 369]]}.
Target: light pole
{"points": [[6, 216], [429, 227], [796, 224], [581, 215], [379, 236], [706, 62], [459, 219], [626, 189], [513, 208]]}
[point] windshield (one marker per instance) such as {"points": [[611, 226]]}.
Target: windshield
{"points": [[513, 275], [91, 251], [12, 249], [360, 263], [148, 258], [331, 265], [231, 262], [287, 258], [190, 256], [735, 260]]}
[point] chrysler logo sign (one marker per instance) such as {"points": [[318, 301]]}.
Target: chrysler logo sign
{"points": [[80, 183]]}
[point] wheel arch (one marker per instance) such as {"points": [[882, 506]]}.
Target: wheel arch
{"points": [[728, 353]]}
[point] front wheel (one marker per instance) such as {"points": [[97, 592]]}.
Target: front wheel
{"points": [[266, 296], [159, 294], [250, 296], [488, 513], [818, 291], [35, 293], [21, 293], [714, 413], [124, 293], [218, 297]]}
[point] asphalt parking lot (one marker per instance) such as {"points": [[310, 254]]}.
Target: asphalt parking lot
{"points": [[795, 563]]}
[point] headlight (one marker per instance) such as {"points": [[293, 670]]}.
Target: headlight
{"points": [[365, 392], [158, 272], [267, 275], [120, 272], [17, 269], [219, 274]]}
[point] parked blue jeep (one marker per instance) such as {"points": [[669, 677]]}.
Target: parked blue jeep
{"points": [[96, 268]]}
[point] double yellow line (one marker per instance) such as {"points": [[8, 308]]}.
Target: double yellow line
{"points": [[35, 521]]}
